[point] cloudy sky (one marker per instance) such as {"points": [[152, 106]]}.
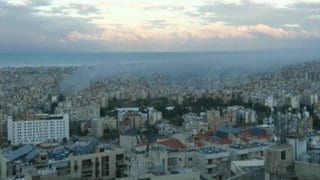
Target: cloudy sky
{"points": [[158, 25]]}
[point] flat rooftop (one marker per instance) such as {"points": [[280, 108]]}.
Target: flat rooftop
{"points": [[248, 146], [30, 117], [212, 150]]}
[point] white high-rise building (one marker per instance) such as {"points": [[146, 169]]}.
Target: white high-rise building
{"points": [[40, 129], [154, 116]]}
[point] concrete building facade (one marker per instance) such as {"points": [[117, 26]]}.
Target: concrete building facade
{"points": [[35, 131]]}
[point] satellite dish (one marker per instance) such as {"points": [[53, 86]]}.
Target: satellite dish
{"points": [[299, 116]]}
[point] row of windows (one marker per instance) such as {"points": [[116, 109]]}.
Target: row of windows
{"points": [[38, 122], [25, 141], [58, 131], [52, 127], [38, 125], [39, 137], [39, 134]]}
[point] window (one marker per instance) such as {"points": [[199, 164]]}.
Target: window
{"points": [[43, 158], [283, 155], [76, 167], [172, 162]]}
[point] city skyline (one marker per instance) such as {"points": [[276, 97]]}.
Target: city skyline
{"points": [[156, 90], [152, 26]]}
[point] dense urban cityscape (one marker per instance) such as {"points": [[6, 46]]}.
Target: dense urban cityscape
{"points": [[262, 124], [159, 90]]}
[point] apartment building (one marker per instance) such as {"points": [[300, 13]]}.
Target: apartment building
{"points": [[38, 129]]}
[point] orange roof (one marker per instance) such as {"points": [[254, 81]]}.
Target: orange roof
{"points": [[224, 141], [173, 144], [204, 135], [199, 144], [245, 139], [265, 136]]}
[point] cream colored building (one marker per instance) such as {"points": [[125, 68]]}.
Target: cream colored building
{"points": [[79, 113], [213, 162], [92, 161], [97, 127], [154, 116], [39, 129]]}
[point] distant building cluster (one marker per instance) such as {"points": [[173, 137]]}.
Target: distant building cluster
{"points": [[159, 127]]}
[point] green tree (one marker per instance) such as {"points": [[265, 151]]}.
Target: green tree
{"points": [[110, 133], [75, 129], [316, 122], [103, 111]]}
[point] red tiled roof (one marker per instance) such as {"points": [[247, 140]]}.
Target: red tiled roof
{"points": [[199, 144], [204, 135], [173, 144], [146, 143], [224, 141], [294, 135], [245, 139], [265, 136]]}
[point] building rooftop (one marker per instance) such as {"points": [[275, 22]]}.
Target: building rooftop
{"points": [[221, 135], [248, 146], [199, 144], [90, 147], [38, 117], [59, 153], [204, 135], [19, 152], [130, 132], [32, 155], [314, 133], [212, 150], [181, 171], [173, 144], [79, 148], [312, 157], [229, 130], [249, 163], [128, 109], [257, 131]]}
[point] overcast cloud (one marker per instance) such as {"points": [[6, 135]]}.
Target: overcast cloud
{"points": [[182, 25]]}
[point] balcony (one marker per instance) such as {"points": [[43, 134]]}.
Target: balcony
{"points": [[212, 165]]}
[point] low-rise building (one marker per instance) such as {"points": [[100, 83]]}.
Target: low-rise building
{"points": [[254, 150], [213, 162], [78, 113], [247, 169], [131, 120], [82, 160]]}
